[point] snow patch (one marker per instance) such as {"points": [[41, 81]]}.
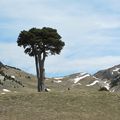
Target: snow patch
{"points": [[105, 81], [12, 76], [47, 90], [95, 77], [101, 84], [2, 93], [79, 78], [58, 78], [96, 81], [112, 90], [79, 84], [104, 85], [57, 81], [83, 73], [6, 90], [107, 86], [116, 69]]}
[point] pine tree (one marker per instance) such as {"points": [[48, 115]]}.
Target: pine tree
{"points": [[40, 43]]}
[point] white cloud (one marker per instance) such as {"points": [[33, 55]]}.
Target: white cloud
{"points": [[13, 55], [55, 65], [91, 64], [90, 30]]}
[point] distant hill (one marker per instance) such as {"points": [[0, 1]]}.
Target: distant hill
{"points": [[109, 73], [112, 75], [15, 79]]}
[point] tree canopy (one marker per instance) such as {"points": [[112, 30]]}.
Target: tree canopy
{"points": [[45, 40]]}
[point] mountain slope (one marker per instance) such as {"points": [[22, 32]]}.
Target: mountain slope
{"points": [[75, 81], [15, 79], [112, 75], [109, 73]]}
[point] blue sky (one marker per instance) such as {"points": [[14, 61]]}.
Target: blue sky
{"points": [[90, 29]]}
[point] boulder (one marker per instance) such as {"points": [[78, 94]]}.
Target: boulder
{"points": [[104, 88]]}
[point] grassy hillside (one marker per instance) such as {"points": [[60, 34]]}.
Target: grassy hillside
{"points": [[67, 105], [79, 102], [28, 81]]}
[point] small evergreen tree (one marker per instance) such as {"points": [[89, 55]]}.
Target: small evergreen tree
{"points": [[40, 43]]}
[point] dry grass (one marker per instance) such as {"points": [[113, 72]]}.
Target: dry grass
{"points": [[68, 105]]}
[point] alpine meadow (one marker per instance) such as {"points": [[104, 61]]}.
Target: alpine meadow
{"points": [[59, 60]]}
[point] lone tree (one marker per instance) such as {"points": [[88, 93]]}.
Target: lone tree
{"points": [[40, 43]]}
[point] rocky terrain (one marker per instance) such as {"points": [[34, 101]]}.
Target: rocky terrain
{"points": [[112, 75]]}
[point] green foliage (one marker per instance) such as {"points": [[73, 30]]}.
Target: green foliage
{"points": [[45, 40]]}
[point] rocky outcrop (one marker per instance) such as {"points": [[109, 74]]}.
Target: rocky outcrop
{"points": [[109, 73], [112, 75]]}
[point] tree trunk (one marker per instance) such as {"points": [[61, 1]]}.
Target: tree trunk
{"points": [[37, 71], [42, 76], [39, 61], [42, 85]]}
